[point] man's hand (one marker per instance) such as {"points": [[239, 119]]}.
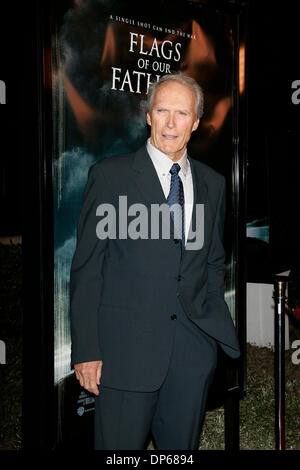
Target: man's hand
{"points": [[89, 374]]}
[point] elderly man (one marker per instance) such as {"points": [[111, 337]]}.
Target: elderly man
{"points": [[147, 308]]}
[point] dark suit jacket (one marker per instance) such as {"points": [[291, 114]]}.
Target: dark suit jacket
{"points": [[124, 291]]}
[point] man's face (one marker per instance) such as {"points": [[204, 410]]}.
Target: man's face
{"points": [[172, 118]]}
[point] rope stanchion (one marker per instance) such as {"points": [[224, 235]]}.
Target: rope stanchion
{"points": [[279, 362]]}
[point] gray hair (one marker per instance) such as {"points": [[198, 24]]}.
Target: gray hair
{"points": [[185, 80]]}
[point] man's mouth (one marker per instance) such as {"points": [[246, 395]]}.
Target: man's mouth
{"points": [[169, 137]]}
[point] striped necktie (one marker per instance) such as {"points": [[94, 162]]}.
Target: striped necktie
{"points": [[175, 201]]}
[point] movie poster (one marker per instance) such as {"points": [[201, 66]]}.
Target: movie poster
{"points": [[104, 56]]}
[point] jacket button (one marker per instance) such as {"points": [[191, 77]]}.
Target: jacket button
{"points": [[179, 277], [173, 317]]}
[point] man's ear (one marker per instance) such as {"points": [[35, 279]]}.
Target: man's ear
{"points": [[148, 119], [196, 124]]}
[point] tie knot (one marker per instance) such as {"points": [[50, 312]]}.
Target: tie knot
{"points": [[175, 169]]}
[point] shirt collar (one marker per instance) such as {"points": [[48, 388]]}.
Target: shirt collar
{"points": [[163, 163]]}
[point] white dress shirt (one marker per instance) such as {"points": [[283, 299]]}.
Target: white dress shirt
{"points": [[163, 164]]}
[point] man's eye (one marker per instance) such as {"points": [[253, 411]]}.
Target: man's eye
{"points": [[182, 113]]}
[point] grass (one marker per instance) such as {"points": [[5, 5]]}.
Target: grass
{"points": [[11, 334], [256, 408]]}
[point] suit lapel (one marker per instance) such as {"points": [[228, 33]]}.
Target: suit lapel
{"points": [[145, 177], [199, 188], [200, 196], [147, 180]]}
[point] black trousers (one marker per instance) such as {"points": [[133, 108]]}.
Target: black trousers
{"points": [[174, 413]]}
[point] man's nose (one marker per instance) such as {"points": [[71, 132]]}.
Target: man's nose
{"points": [[171, 120]]}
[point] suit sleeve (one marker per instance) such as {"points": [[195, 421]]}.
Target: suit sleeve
{"points": [[216, 256], [215, 304], [86, 273]]}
